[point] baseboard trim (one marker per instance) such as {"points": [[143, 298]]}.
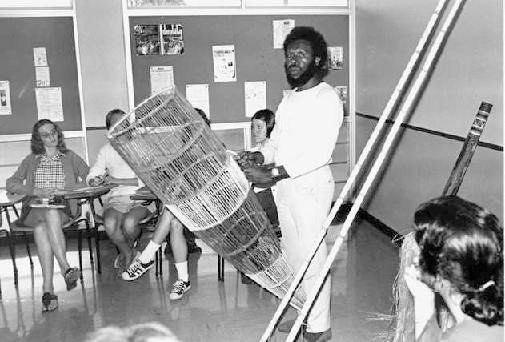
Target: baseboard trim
{"points": [[396, 238]]}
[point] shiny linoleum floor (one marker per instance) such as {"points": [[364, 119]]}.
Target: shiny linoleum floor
{"points": [[211, 310]]}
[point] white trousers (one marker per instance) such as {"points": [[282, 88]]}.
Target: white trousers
{"points": [[303, 204]]}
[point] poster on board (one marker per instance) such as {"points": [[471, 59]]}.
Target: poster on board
{"points": [[162, 77], [281, 29], [342, 93], [224, 63], [39, 56], [255, 97], [172, 42], [49, 103], [5, 98], [336, 57], [42, 76], [198, 96], [147, 39]]}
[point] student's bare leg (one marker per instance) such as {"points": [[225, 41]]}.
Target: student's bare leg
{"points": [[131, 229], [56, 237], [180, 251], [112, 223], [46, 256], [178, 241], [163, 227]]}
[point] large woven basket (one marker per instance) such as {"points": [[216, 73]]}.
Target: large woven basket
{"points": [[183, 162]]}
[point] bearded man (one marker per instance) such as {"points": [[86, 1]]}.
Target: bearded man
{"points": [[308, 120]]}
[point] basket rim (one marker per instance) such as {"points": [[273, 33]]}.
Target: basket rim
{"points": [[171, 90]]}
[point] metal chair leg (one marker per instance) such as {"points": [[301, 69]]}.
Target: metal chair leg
{"points": [[220, 268], [13, 258], [79, 249], [27, 243], [88, 236], [95, 231], [160, 252]]}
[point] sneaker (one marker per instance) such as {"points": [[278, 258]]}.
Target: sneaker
{"points": [[179, 288], [71, 276], [136, 269]]}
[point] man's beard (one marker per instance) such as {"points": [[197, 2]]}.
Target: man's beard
{"points": [[304, 77]]}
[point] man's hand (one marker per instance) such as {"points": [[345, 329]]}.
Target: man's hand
{"points": [[247, 159], [260, 176], [97, 181]]}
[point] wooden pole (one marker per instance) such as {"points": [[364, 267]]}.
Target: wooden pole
{"points": [[468, 150]]}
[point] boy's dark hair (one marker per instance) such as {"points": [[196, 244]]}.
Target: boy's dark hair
{"points": [[108, 117]]}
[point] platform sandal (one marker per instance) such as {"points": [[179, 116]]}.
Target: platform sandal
{"points": [[49, 302], [71, 276]]}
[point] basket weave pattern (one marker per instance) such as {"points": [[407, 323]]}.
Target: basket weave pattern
{"points": [[183, 162]]}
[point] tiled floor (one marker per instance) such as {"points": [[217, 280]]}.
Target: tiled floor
{"points": [[210, 311]]}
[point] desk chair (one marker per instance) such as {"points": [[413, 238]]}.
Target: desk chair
{"points": [[17, 229], [149, 225], [5, 233]]}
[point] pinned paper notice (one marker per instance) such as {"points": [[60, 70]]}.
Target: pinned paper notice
{"points": [[198, 96], [255, 97], [336, 57], [162, 77], [39, 56], [49, 103], [42, 76], [224, 63], [281, 30], [5, 98]]}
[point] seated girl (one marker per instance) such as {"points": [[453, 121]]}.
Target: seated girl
{"points": [[49, 170], [262, 124]]}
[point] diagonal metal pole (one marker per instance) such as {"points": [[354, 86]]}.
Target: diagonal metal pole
{"points": [[398, 92], [405, 111]]}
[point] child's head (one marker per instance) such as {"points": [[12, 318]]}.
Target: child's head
{"points": [[39, 142], [112, 117], [262, 124], [461, 243], [203, 115], [144, 332]]}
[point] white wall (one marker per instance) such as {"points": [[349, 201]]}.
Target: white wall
{"points": [[469, 71], [102, 53]]}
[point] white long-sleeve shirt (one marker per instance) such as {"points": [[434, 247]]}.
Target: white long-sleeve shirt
{"points": [[108, 159], [306, 130]]}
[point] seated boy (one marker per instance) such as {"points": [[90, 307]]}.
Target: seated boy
{"points": [[121, 215]]}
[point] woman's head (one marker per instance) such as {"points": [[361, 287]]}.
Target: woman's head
{"points": [[46, 134], [262, 124], [461, 243]]}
